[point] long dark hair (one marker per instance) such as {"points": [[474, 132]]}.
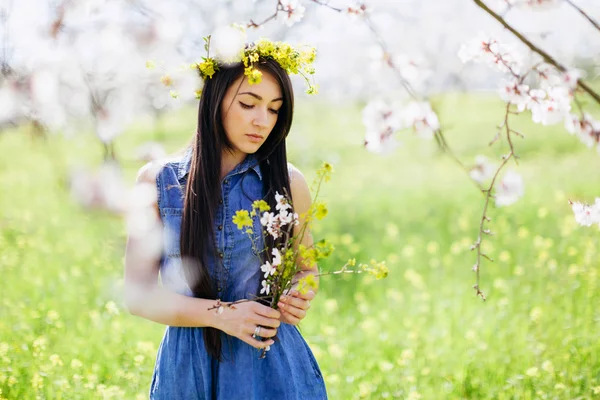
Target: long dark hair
{"points": [[203, 188]]}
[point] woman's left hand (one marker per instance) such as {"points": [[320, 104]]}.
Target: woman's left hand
{"points": [[294, 305]]}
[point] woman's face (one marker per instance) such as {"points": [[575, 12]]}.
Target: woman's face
{"points": [[250, 113]]}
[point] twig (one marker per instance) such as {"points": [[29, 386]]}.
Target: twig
{"points": [[326, 4], [278, 8], [586, 15], [488, 195]]}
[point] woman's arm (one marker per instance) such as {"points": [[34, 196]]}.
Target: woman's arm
{"points": [[294, 306], [144, 296]]}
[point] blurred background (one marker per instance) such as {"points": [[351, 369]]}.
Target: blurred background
{"points": [[81, 112]]}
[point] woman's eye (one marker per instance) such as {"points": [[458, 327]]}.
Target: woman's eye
{"points": [[247, 106], [274, 111]]}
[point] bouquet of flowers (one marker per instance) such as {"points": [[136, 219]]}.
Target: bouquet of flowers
{"points": [[285, 261]]}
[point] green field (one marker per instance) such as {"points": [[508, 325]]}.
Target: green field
{"points": [[420, 334]]}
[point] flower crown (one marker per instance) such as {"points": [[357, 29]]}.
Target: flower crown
{"points": [[292, 60]]}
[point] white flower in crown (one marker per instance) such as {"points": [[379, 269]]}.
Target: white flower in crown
{"points": [[586, 214], [276, 257], [266, 288], [268, 269]]}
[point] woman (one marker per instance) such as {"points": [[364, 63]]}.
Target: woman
{"points": [[238, 156]]}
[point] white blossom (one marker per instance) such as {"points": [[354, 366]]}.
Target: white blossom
{"points": [[268, 269], [587, 129], [553, 108], [571, 76], [510, 189], [292, 10], [421, 118], [282, 203], [482, 170], [266, 288], [586, 214], [267, 219], [228, 43], [382, 121], [487, 50], [515, 93], [381, 142], [276, 257]]}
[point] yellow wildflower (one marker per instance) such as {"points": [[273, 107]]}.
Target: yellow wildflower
{"points": [[320, 210], [242, 219], [261, 205], [307, 283]]}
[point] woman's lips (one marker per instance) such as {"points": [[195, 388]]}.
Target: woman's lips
{"points": [[254, 138]]}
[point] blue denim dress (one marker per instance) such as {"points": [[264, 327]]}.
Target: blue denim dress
{"points": [[183, 369]]}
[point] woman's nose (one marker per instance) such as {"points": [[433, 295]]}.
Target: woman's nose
{"points": [[260, 118]]}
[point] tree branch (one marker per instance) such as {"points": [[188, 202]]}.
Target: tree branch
{"points": [[586, 15], [547, 57]]}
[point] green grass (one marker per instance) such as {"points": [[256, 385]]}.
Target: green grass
{"points": [[421, 333]]}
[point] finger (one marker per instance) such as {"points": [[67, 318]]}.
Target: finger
{"points": [[257, 343], [295, 302], [267, 332], [266, 322], [290, 319], [295, 311], [266, 311]]}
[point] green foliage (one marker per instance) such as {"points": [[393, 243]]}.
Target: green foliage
{"points": [[421, 333]]}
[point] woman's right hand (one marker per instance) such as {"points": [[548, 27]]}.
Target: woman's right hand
{"points": [[241, 319]]}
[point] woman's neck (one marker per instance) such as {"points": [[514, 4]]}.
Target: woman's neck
{"points": [[229, 159]]}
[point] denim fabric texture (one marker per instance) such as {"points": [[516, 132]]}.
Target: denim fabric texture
{"points": [[183, 369]]}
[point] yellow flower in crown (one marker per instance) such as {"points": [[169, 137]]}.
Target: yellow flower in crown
{"points": [[294, 60]]}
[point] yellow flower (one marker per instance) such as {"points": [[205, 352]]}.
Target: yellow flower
{"points": [[242, 219], [312, 89], [150, 64], [306, 283], [320, 210], [37, 382], [207, 68], [254, 75], [261, 205], [112, 308], [55, 360]]}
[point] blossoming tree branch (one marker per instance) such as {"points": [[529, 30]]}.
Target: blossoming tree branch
{"points": [[546, 88]]}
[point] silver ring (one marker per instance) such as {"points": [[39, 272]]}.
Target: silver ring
{"points": [[308, 303], [256, 332]]}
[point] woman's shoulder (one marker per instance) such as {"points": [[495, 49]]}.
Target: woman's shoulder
{"points": [[294, 173], [149, 172], [299, 187]]}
